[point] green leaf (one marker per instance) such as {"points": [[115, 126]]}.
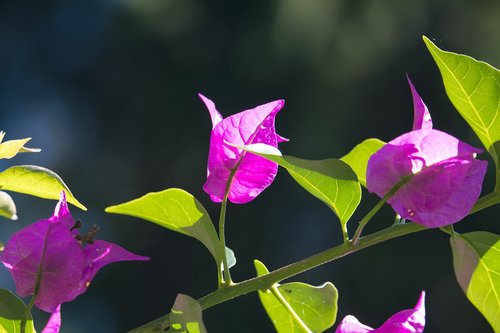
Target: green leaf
{"points": [[9, 149], [186, 316], [37, 181], [474, 89], [331, 180], [176, 210], [7, 206], [11, 311], [358, 157], [477, 267], [316, 306]]}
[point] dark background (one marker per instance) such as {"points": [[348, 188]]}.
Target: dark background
{"points": [[108, 90]]}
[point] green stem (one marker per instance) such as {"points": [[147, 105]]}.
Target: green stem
{"points": [[375, 209], [222, 236], [26, 314], [274, 290], [222, 232], [268, 280], [366, 219]]}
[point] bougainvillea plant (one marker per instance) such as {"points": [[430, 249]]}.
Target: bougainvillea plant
{"points": [[430, 178]]}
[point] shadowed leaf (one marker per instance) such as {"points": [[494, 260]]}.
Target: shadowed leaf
{"points": [[186, 316], [11, 311]]}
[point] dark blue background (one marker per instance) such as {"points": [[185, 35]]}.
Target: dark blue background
{"points": [[108, 90]]}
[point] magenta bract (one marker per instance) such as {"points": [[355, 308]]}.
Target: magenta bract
{"points": [[405, 321], [249, 174], [445, 178], [47, 252], [54, 323]]}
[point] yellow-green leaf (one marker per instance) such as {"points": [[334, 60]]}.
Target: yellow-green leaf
{"points": [[358, 157], [476, 259], [176, 210], [474, 89], [316, 306], [37, 181], [331, 181]]}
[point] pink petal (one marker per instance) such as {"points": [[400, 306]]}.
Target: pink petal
{"points": [[447, 179], [253, 173], [442, 194], [49, 249], [54, 323], [98, 255], [62, 214], [405, 321], [351, 324], [214, 114], [422, 118]]}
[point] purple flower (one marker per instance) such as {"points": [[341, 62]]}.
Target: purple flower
{"points": [[444, 178], [405, 321], [54, 323], [50, 260], [248, 174]]}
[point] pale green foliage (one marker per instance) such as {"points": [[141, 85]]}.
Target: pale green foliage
{"points": [[7, 206], [11, 148]]}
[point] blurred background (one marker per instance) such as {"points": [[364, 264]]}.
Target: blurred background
{"points": [[108, 90]]}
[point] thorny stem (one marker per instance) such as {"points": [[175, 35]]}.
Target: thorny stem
{"points": [[268, 280]]}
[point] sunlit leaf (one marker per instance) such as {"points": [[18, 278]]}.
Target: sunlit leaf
{"points": [[7, 206], [231, 258], [316, 306], [474, 89], [358, 157], [37, 181], [186, 316], [331, 180], [176, 210], [11, 148], [11, 311], [476, 259]]}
